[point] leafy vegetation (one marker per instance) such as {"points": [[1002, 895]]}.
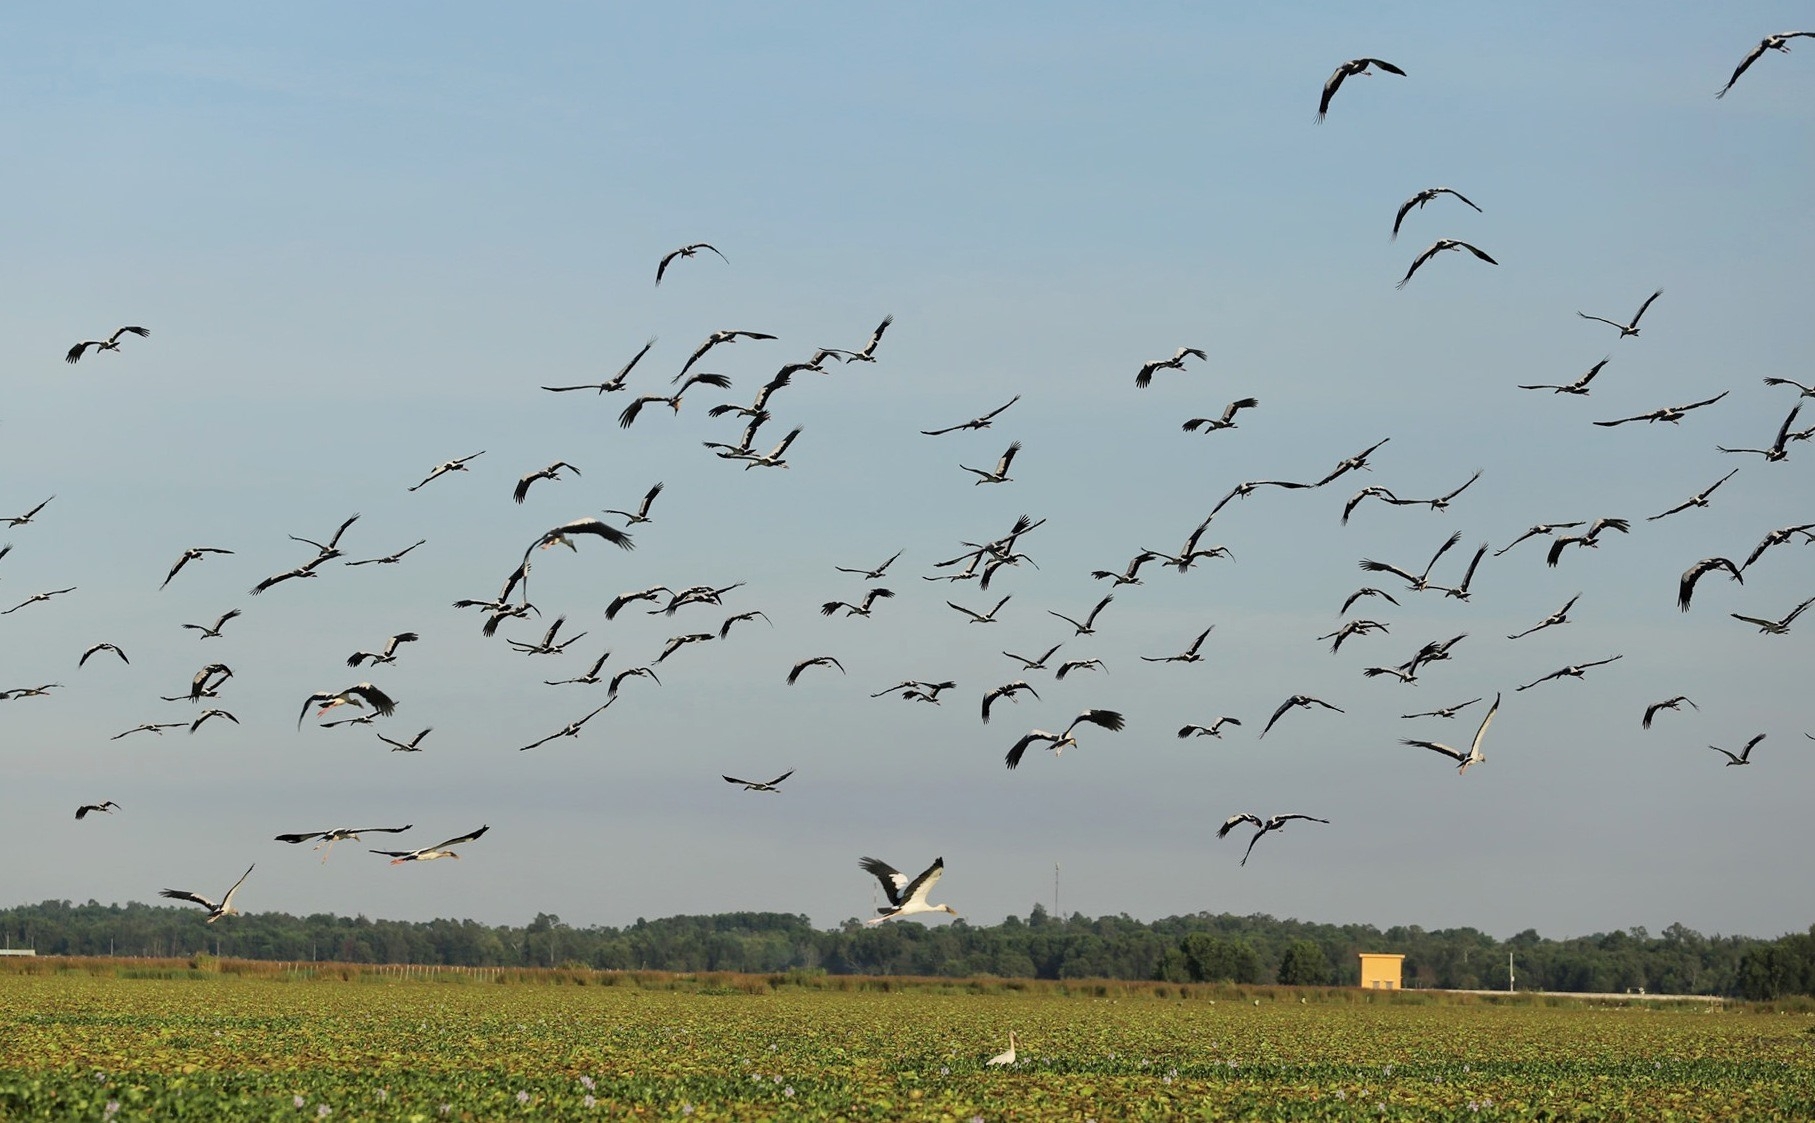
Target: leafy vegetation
{"points": [[222, 1045], [1241, 949]]}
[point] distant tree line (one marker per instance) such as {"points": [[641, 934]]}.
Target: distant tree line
{"points": [[1197, 948]]}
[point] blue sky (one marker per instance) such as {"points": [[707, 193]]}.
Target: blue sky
{"points": [[363, 238]]}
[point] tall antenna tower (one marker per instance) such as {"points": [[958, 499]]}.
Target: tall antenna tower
{"points": [[1055, 891]]}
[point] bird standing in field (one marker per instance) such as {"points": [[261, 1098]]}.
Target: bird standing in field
{"points": [[111, 343], [1348, 69], [905, 897], [215, 911], [1007, 1058]]}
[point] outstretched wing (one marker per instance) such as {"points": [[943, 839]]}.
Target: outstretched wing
{"points": [[893, 880]]}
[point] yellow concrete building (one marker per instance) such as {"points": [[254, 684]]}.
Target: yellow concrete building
{"points": [[1380, 972]]}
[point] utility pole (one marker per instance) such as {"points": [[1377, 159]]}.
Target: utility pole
{"points": [[1509, 972], [1055, 891]]}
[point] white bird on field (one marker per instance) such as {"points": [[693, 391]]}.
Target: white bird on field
{"points": [[215, 911], [1007, 1058], [905, 897]]}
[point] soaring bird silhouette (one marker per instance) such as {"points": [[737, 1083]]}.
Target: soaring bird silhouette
{"points": [[1348, 69]]}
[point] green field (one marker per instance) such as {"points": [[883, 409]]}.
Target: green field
{"points": [[115, 1045]]}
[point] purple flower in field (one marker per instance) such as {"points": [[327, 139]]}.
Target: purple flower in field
{"points": [[112, 1106], [587, 1083], [945, 1070], [588, 1101], [445, 1109], [788, 1091], [686, 1109], [322, 1111], [298, 1101], [522, 1097], [384, 1094]]}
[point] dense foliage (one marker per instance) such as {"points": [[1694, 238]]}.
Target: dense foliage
{"points": [[1203, 947], [223, 1046]]}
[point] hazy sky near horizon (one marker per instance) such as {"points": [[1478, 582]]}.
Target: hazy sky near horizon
{"points": [[363, 237]]}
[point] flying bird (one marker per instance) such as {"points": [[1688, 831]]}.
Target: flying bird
{"points": [[1685, 588], [359, 696], [1144, 376], [1352, 67], [194, 553], [1128, 575], [983, 422], [1438, 247], [1463, 759], [215, 911], [1447, 711], [982, 617], [389, 559], [1778, 42], [1108, 719], [1535, 532], [618, 602], [673, 401], [905, 897], [413, 745], [1366, 591], [1778, 538], [860, 609], [552, 472], [1006, 690], [457, 465], [1560, 616], [150, 727], [1700, 499], [675, 643], [632, 672], [1574, 671], [111, 343], [207, 681], [1424, 197], [22, 520], [563, 535], [1591, 539], [1579, 386], [1214, 729], [1667, 704], [430, 853], [1460, 592], [759, 785], [1265, 826], [571, 729], [206, 714], [1421, 581], [546, 645], [1000, 474], [388, 655], [1034, 664], [1088, 627], [816, 661], [106, 806], [36, 598], [1189, 655], [868, 354], [103, 647], [1775, 627], [1745, 754], [641, 514], [614, 383], [1301, 700], [1243, 490], [1071, 665], [1803, 391], [725, 628], [1356, 463], [1226, 421], [871, 574], [685, 251], [1784, 435], [714, 340], [1626, 329], [330, 837], [1356, 627]]}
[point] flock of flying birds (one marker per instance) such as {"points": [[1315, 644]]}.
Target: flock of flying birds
{"points": [[981, 561]]}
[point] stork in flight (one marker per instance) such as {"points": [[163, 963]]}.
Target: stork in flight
{"points": [[1424, 197], [106, 806], [1777, 538], [1778, 42], [1144, 376], [1071, 665], [1667, 704], [1088, 626], [868, 354], [1685, 587], [1365, 591], [1745, 754], [215, 911], [150, 727], [673, 401], [206, 714], [713, 340], [760, 785], [1034, 664], [1578, 387], [552, 472], [564, 534], [572, 729], [739, 617], [1560, 616], [905, 897], [1447, 711], [641, 514], [1352, 67], [982, 617], [816, 661], [1632, 327], [547, 644], [1189, 655], [32, 691], [22, 520], [388, 655], [430, 853], [1265, 825], [758, 409], [413, 745], [618, 602], [1803, 391], [305, 570], [194, 553], [1441, 503], [1006, 690], [103, 647], [1301, 700], [1591, 539], [685, 251], [359, 696], [1128, 575], [337, 834], [772, 458], [1673, 414], [1438, 247], [983, 422], [1243, 490], [36, 598], [1575, 671], [111, 343], [1356, 627], [617, 680], [1460, 592], [675, 643], [860, 609], [614, 383], [1108, 719], [1535, 532], [871, 574], [442, 469], [1776, 452], [1214, 729], [207, 681], [1775, 627], [999, 475], [1417, 583], [1700, 499], [1226, 421], [1356, 463], [1463, 759], [590, 678]]}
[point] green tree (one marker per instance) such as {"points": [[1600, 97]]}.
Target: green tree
{"points": [[1304, 965], [1213, 959]]}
